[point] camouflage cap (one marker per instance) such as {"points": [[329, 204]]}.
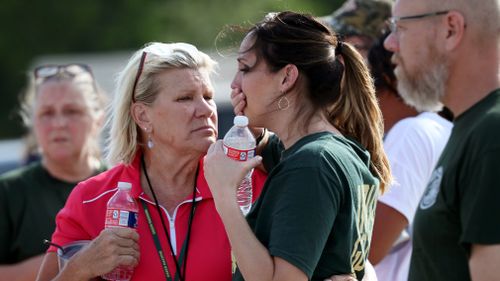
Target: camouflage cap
{"points": [[360, 18]]}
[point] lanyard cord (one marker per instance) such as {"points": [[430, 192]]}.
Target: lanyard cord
{"points": [[190, 222]]}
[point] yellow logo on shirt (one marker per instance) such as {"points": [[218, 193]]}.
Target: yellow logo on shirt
{"points": [[365, 210]]}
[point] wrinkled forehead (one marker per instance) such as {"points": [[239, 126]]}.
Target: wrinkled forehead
{"points": [[185, 79], [205, 77], [70, 87], [58, 92]]}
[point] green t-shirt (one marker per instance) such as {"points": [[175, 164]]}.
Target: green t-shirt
{"points": [[460, 206], [316, 210], [29, 201]]}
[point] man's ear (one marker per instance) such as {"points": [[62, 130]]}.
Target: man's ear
{"points": [[455, 28], [289, 77], [140, 114]]}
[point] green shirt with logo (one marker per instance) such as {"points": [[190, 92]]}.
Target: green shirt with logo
{"points": [[461, 205], [316, 210]]}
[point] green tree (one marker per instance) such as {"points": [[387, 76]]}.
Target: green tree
{"points": [[32, 28]]}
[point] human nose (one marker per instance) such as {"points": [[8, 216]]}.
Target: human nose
{"points": [[206, 108], [59, 120], [236, 83], [391, 42]]}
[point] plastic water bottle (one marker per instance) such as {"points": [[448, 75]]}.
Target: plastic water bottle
{"points": [[121, 212], [239, 144]]}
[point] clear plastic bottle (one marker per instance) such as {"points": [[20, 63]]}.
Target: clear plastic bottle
{"points": [[121, 212], [239, 144]]}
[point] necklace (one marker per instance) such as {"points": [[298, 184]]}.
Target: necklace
{"points": [[188, 236]]}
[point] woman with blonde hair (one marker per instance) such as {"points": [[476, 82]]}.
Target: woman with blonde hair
{"points": [[63, 109], [163, 120]]}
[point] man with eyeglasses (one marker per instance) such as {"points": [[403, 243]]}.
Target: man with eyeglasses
{"points": [[448, 52], [414, 139]]}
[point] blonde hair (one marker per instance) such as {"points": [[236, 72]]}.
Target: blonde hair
{"points": [[122, 143], [85, 83]]}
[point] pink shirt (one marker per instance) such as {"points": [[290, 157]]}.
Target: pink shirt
{"points": [[209, 256]]}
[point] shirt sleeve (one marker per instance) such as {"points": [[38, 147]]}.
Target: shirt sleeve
{"points": [[271, 153], [409, 152], [68, 221], [303, 216], [258, 180], [480, 207]]}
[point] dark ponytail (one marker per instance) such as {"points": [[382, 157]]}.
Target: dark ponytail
{"points": [[335, 79], [356, 112]]}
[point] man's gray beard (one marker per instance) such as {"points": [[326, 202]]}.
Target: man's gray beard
{"points": [[425, 90]]}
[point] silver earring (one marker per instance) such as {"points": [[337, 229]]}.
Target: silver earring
{"points": [[283, 103], [150, 142]]}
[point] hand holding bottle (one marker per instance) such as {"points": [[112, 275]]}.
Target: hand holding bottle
{"points": [[112, 247], [122, 212], [224, 175]]}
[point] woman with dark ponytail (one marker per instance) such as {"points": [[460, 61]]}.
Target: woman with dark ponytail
{"points": [[315, 214]]}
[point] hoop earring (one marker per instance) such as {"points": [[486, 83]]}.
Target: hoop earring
{"points": [[150, 142], [283, 103]]}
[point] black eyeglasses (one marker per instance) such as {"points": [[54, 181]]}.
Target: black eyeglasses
{"points": [[74, 69], [393, 21]]}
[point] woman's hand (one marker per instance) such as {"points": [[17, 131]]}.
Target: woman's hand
{"points": [[370, 275], [238, 100], [224, 175], [113, 247]]}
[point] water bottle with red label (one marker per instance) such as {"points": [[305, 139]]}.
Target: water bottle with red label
{"points": [[122, 211], [239, 144]]}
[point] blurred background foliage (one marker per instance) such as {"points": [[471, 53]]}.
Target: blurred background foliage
{"points": [[32, 28]]}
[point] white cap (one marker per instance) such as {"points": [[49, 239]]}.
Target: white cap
{"points": [[122, 185], [240, 120]]}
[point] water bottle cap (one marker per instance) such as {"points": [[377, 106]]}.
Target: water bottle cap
{"points": [[240, 121], [122, 185]]}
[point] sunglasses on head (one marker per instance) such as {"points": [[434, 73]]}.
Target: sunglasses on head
{"points": [[160, 50], [45, 72], [74, 69]]}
